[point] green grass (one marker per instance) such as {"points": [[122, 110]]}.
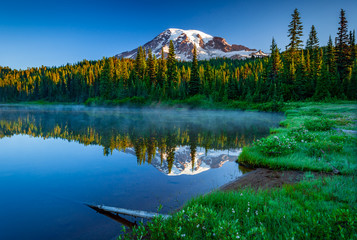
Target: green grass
{"points": [[323, 208], [195, 102], [309, 139], [318, 143]]}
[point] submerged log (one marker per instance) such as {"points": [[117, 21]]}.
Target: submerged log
{"points": [[134, 213], [115, 217]]}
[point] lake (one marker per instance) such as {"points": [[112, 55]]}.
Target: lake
{"points": [[53, 159]]}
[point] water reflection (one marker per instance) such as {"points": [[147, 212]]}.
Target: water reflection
{"points": [[53, 159], [173, 141]]}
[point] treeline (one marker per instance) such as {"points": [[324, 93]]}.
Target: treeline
{"points": [[310, 73]]}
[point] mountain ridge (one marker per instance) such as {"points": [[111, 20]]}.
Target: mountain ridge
{"points": [[208, 46]]}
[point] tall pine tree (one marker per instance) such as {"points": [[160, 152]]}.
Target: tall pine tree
{"points": [[171, 69], [295, 33], [105, 86], [161, 70], [151, 68], [313, 41], [342, 49], [194, 84]]}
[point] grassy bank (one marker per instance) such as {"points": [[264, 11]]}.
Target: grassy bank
{"points": [[195, 102], [310, 139]]}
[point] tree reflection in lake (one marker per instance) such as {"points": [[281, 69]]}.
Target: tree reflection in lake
{"points": [[172, 138], [52, 161]]}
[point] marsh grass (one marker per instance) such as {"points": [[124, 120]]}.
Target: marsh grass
{"points": [[323, 208], [319, 146]]}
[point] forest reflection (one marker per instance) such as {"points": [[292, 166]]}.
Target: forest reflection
{"points": [[148, 134]]}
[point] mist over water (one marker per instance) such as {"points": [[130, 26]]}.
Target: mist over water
{"points": [[54, 158]]}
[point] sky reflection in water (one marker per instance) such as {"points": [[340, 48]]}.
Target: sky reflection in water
{"points": [[55, 158]]}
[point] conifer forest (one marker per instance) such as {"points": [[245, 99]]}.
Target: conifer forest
{"points": [[299, 72]]}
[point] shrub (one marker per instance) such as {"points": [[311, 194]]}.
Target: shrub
{"points": [[138, 100], [342, 121], [338, 138], [311, 112], [302, 135], [318, 124], [318, 149], [92, 101], [273, 146], [195, 101], [283, 123]]}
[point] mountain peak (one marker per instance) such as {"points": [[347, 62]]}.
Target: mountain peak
{"points": [[184, 40]]}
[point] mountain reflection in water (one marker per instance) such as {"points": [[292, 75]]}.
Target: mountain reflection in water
{"points": [[55, 158], [173, 141]]}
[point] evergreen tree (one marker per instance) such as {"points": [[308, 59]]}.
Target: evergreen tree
{"points": [[330, 63], [140, 63], [313, 41], [161, 71], [276, 64], [274, 69], [352, 89], [232, 88], [301, 79], [353, 46], [330, 56], [151, 68], [104, 81], [295, 33], [194, 84], [321, 92], [171, 67], [342, 49]]}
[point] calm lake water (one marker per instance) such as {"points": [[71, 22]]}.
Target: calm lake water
{"points": [[53, 159]]}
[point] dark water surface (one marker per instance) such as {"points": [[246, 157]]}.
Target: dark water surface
{"points": [[55, 158]]}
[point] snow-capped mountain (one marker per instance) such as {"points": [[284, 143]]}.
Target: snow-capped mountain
{"points": [[182, 164], [184, 40]]}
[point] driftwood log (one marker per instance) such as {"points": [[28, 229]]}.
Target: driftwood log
{"points": [[133, 213]]}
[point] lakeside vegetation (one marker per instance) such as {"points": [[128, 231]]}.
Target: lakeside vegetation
{"points": [[315, 73], [322, 207], [311, 140]]}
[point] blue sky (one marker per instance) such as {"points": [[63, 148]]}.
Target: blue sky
{"points": [[54, 33]]}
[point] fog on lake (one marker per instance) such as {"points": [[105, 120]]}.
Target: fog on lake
{"points": [[55, 158]]}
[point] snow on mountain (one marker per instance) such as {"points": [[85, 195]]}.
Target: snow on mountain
{"points": [[182, 164], [184, 41]]}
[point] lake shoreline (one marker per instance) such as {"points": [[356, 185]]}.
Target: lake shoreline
{"points": [[264, 178], [301, 194], [193, 103]]}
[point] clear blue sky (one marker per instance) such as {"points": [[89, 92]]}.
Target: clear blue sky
{"points": [[54, 33]]}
